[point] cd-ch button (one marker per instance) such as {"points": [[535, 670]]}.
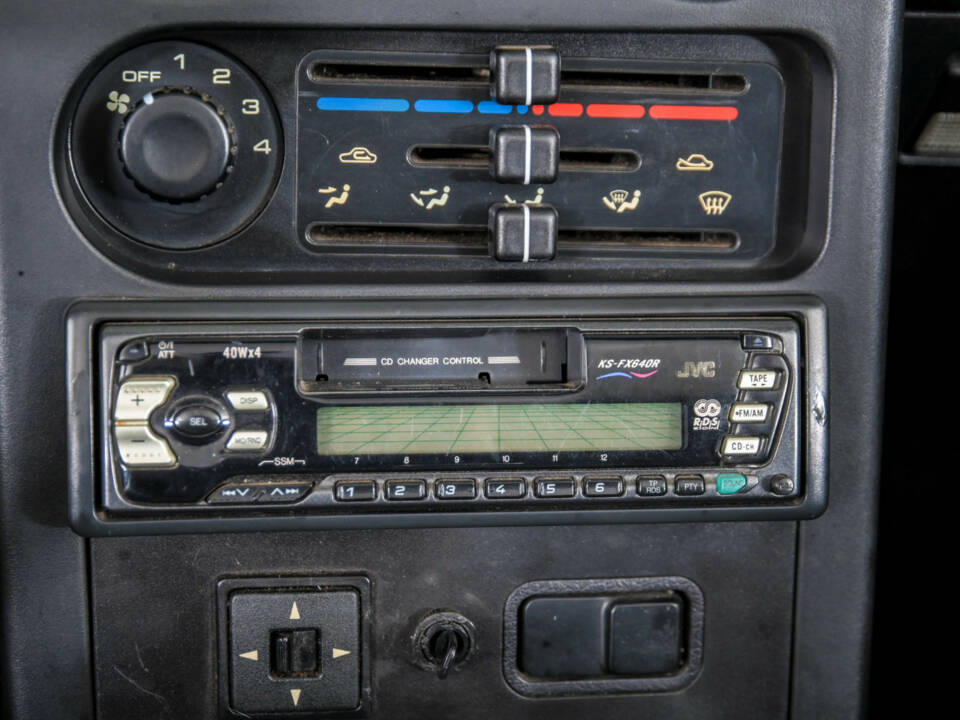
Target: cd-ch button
{"points": [[248, 400], [138, 397], [741, 445], [247, 440], [138, 446]]}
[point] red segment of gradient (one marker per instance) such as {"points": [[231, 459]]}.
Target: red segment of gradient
{"points": [[566, 110], [694, 112], [538, 109], [602, 110]]}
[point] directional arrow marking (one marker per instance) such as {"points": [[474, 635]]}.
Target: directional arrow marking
{"points": [[295, 694], [295, 614], [337, 652], [252, 655]]}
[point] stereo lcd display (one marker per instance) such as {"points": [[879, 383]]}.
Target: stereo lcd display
{"points": [[437, 429]]}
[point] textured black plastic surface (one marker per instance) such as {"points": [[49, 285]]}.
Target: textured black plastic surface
{"points": [[143, 587], [748, 615]]}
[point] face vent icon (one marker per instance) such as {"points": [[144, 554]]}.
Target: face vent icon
{"points": [[714, 202]]}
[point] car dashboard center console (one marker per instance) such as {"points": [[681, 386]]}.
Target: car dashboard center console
{"points": [[423, 360]]}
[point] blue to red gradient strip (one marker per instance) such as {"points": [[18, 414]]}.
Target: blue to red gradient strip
{"points": [[715, 113]]}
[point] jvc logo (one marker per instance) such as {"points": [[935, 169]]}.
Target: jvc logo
{"points": [[701, 368]]}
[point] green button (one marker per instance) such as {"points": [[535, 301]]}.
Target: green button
{"points": [[730, 483]]}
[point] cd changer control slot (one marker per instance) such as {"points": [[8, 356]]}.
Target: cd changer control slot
{"points": [[478, 156], [473, 70], [440, 361]]}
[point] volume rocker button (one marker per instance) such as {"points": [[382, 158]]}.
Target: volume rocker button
{"points": [[140, 396], [138, 446]]}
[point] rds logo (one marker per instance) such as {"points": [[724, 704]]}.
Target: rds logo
{"points": [[701, 368]]}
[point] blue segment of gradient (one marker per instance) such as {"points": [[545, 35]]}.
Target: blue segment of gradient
{"points": [[489, 107], [443, 106], [614, 374], [364, 104]]}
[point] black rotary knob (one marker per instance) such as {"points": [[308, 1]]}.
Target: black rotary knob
{"points": [[175, 146]]}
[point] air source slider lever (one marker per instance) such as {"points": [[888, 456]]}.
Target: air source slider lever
{"points": [[523, 233], [525, 75]]}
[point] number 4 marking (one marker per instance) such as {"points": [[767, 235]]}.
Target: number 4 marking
{"points": [[263, 146]]}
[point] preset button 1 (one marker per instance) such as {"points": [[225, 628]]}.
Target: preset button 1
{"points": [[356, 491]]}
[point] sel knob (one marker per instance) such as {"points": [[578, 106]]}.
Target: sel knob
{"points": [[175, 146]]}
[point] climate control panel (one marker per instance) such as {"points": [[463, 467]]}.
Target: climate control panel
{"points": [[216, 159]]}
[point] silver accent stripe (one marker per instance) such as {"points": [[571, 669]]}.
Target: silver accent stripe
{"points": [[529, 53], [363, 362], [526, 233], [527, 153], [503, 360]]}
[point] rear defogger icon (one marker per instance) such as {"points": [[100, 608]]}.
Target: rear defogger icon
{"points": [[714, 202]]}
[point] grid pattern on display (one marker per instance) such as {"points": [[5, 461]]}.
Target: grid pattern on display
{"points": [[444, 429]]}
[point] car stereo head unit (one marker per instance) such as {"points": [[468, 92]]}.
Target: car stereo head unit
{"points": [[351, 420]]}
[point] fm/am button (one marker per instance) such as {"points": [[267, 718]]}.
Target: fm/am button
{"points": [[749, 412]]}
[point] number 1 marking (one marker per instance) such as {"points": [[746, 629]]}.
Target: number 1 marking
{"points": [[182, 59]]}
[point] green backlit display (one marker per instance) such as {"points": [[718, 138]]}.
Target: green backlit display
{"points": [[448, 429]]}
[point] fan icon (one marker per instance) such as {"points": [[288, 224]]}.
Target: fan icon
{"points": [[118, 102]]}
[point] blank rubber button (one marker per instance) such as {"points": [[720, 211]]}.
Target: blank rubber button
{"points": [[645, 638], [563, 637]]}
